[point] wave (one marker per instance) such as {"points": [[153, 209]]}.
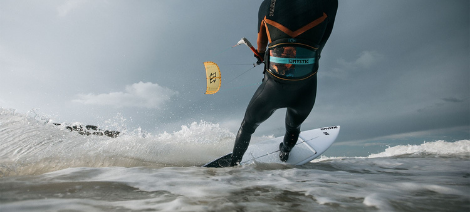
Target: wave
{"points": [[436, 148], [31, 145]]}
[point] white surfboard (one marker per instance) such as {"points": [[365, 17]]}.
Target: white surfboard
{"points": [[311, 144]]}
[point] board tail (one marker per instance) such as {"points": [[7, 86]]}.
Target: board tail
{"points": [[216, 164]]}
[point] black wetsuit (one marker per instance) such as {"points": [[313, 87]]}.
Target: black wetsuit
{"points": [[299, 25]]}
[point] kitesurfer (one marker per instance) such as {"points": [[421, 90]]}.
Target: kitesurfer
{"points": [[296, 31]]}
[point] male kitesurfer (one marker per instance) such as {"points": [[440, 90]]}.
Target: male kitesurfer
{"points": [[296, 31]]}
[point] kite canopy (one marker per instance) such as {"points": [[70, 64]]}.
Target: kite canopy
{"points": [[213, 77]]}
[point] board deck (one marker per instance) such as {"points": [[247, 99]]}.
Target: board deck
{"points": [[311, 144]]}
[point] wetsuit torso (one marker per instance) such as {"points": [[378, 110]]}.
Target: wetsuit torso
{"points": [[297, 31]]}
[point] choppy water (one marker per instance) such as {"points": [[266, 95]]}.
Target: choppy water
{"points": [[43, 168]]}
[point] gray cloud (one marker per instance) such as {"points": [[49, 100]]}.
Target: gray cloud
{"points": [[140, 95], [453, 100], [67, 6]]}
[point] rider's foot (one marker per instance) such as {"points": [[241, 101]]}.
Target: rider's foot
{"points": [[283, 153]]}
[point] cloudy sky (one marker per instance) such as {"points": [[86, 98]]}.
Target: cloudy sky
{"points": [[391, 69]]}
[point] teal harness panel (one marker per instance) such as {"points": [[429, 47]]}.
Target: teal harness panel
{"points": [[294, 61]]}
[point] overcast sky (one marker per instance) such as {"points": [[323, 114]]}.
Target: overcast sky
{"points": [[391, 69]]}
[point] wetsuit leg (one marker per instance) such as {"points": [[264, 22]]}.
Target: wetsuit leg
{"points": [[291, 136], [261, 107], [297, 112]]}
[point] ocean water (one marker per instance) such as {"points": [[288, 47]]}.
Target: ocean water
{"points": [[46, 168]]}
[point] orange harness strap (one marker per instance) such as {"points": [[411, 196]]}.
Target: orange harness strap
{"points": [[289, 32]]}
